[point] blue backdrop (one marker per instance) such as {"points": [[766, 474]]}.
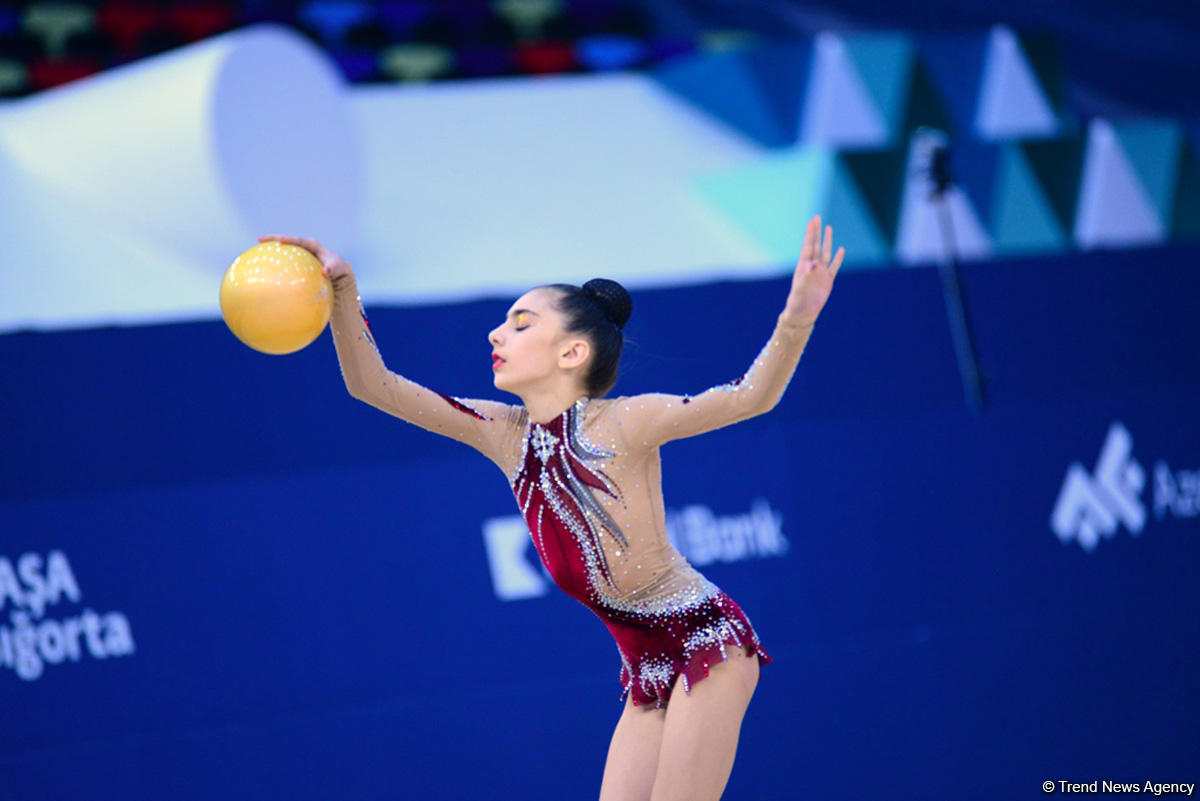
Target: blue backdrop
{"points": [[222, 577]]}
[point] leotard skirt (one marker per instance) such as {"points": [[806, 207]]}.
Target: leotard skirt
{"points": [[684, 643]]}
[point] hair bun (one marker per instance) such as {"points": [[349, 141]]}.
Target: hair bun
{"points": [[612, 299]]}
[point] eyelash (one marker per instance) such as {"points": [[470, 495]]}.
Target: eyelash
{"points": [[522, 328]]}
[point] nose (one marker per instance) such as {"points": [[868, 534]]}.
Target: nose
{"points": [[494, 336]]}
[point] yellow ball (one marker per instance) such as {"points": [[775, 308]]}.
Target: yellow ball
{"points": [[275, 299]]}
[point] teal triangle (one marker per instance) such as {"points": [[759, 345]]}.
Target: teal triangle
{"points": [[853, 226], [1153, 147], [1023, 220], [781, 70], [773, 199], [722, 85], [883, 62]]}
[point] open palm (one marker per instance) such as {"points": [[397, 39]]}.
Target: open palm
{"points": [[813, 279]]}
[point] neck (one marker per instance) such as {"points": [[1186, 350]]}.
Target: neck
{"points": [[544, 408]]}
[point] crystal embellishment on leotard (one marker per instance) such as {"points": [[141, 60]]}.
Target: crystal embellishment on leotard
{"points": [[564, 483], [655, 676], [540, 544], [543, 443], [575, 507], [716, 634]]}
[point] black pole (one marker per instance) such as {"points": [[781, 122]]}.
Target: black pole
{"points": [[956, 311]]}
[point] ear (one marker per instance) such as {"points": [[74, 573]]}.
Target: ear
{"points": [[574, 353]]}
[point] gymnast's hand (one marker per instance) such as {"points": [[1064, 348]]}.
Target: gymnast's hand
{"points": [[813, 279], [332, 264]]}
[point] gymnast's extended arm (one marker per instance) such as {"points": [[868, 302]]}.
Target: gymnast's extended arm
{"points": [[655, 418], [478, 423], [481, 424]]}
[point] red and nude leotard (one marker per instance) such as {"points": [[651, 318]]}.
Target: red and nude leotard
{"points": [[589, 485]]}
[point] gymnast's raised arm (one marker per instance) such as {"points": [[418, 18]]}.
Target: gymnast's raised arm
{"points": [[481, 424], [654, 418]]}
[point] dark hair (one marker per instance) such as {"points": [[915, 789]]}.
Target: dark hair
{"points": [[598, 310]]}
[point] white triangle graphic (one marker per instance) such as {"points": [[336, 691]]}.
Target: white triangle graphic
{"points": [[1011, 102], [1114, 208], [838, 109], [921, 236]]}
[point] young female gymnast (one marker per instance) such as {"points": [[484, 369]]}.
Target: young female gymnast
{"points": [[586, 474]]}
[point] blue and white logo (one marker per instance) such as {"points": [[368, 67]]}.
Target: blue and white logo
{"points": [[27, 592], [1091, 506]]}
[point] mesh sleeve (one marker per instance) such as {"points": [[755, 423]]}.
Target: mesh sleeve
{"points": [[654, 418], [483, 424]]}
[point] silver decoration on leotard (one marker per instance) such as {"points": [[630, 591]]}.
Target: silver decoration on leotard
{"points": [[671, 604], [585, 529], [582, 493], [584, 444], [655, 676], [540, 544], [543, 444], [714, 634]]}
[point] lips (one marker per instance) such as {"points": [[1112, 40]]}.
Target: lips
{"points": [[496, 361]]}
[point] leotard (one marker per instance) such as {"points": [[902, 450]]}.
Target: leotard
{"points": [[589, 485]]}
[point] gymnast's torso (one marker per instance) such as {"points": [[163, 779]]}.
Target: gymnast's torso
{"points": [[588, 483]]}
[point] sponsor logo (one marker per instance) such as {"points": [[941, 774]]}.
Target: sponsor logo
{"points": [[1095, 505], [29, 586], [703, 537], [1176, 493], [700, 535]]}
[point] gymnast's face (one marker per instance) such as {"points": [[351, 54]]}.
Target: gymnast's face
{"points": [[533, 349]]}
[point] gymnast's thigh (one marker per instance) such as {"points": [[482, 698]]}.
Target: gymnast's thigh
{"points": [[633, 754]]}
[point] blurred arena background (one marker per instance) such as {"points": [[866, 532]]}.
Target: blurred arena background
{"points": [[968, 534]]}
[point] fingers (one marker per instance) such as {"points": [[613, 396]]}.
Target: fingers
{"points": [[299, 240], [814, 247], [812, 239], [311, 245]]}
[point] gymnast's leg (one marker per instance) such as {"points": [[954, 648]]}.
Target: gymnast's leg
{"points": [[632, 754], [700, 733]]}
